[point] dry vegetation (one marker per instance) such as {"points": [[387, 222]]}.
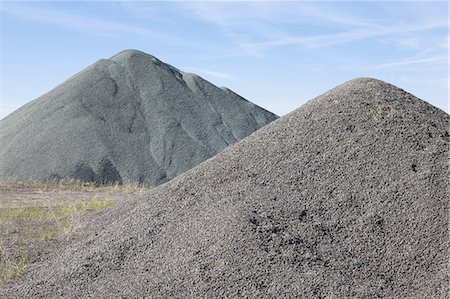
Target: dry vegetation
{"points": [[25, 229], [69, 185], [37, 216]]}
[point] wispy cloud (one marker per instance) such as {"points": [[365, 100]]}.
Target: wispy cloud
{"points": [[76, 22], [327, 40], [422, 63], [413, 62], [248, 12], [215, 74], [255, 28]]}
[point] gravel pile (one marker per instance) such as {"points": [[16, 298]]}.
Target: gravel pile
{"points": [[346, 197], [130, 118]]}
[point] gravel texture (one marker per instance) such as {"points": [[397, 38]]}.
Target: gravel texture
{"points": [[346, 197], [130, 118]]}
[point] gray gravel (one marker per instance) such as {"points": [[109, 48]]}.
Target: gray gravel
{"points": [[346, 197], [130, 118]]}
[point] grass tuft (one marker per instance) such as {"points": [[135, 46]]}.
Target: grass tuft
{"points": [[10, 268], [57, 229], [60, 211], [96, 204], [29, 226], [72, 185]]}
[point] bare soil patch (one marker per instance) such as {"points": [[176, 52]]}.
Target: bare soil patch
{"points": [[37, 218]]}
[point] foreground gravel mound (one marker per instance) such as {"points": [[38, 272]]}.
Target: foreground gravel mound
{"points": [[346, 197], [130, 118]]}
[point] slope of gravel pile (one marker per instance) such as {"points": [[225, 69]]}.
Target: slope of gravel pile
{"points": [[346, 197], [130, 118]]}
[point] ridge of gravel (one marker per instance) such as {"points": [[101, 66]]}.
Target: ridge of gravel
{"points": [[346, 197]]}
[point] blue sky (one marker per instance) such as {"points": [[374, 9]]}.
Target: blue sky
{"points": [[276, 54]]}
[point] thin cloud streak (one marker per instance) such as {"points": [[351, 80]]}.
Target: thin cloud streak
{"points": [[258, 22], [333, 39], [266, 11], [409, 62], [77, 22]]}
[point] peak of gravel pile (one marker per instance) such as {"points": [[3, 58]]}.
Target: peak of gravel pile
{"points": [[130, 118], [346, 197]]}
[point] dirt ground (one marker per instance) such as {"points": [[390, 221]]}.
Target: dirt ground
{"points": [[37, 219]]}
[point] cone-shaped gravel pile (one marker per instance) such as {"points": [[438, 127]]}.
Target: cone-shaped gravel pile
{"points": [[346, 197], [130, 118]]}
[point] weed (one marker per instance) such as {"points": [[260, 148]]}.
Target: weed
{"points": [[97, 204], [10, 268], [72, 185], [28, 228], [56, 230], [60, 211]]}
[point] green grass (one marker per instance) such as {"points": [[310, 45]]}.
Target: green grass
{"points": [[73, 185], [59, 211], [30, 227], [60, 228], [11, 268], [97, 204]]}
